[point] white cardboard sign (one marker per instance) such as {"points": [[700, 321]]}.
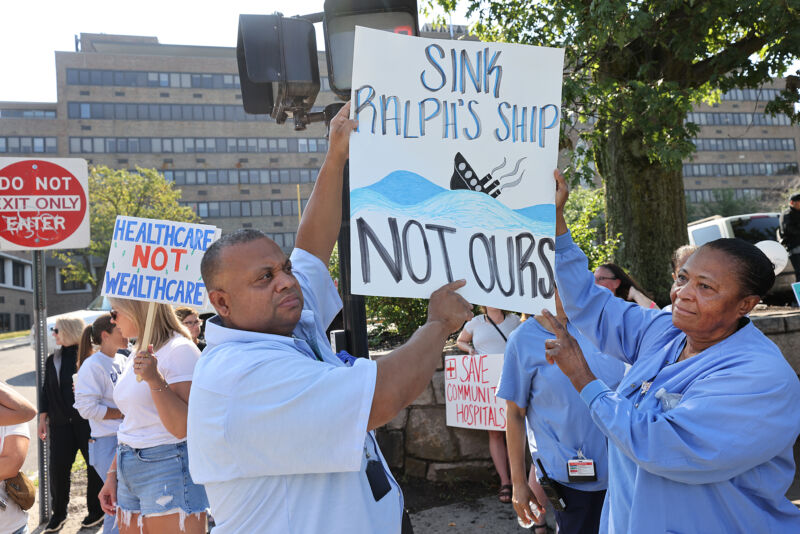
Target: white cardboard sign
{"points": [[158, 261], [44, 203], [470, 384], [451, 168]]}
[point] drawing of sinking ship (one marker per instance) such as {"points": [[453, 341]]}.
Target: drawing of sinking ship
{"points": [[464, 177]]}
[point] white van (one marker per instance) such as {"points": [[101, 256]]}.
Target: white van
{"points": [[752, 227]]}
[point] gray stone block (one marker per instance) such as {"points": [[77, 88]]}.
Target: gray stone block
{"points": [[792, 322], [472, 444], [391, 443], [769, 325], [477, 471], [416, 468], [399, 421], [426, 398], [427, 436], [438, 387]]}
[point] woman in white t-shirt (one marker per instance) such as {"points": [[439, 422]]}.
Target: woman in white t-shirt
{"points": [[15, 437], [487, 334], [149, 479], [98, 373]]}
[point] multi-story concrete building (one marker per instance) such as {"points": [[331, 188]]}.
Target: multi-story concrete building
{"points": [[739, 147], [130, 101]]}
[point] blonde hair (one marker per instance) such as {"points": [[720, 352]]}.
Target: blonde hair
{"points": [[70, 329], [165, 322]]}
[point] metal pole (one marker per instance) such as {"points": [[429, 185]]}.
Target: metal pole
{"points": [[354, 314], [40, 322]]}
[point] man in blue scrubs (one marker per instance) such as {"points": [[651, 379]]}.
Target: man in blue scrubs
{"points": [[279, 429]]}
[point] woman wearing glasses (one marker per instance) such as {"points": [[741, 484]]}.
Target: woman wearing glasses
{"points": [[98, 373], [67, 430], [149, 483], [189, 318], [612, 277]]}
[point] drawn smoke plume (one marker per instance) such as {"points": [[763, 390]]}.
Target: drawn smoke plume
{"points": [[510, 183]]}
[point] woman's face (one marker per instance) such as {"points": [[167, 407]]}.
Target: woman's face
{"points": [[707, 300], [114, 339], [604, 277], [57, 334], [192, 322], [126, 325]]}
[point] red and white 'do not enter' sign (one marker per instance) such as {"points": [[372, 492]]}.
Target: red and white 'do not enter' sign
{"points": [[43, 204]]}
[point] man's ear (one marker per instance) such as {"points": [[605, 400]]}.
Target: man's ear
{"points": [[221, 302]]}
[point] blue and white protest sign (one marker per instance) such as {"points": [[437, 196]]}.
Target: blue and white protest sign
{"points": [[158, 261], [451, 168]]}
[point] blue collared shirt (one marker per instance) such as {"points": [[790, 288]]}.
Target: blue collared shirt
{"points": [[278, 438], [698, 446], [559, 423]]}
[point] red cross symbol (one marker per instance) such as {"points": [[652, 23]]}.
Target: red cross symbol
{"points": [[450, 367]]}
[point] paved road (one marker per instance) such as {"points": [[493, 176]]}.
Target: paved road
{"points": [[18, 369]]}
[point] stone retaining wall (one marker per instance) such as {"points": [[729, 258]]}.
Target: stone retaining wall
{"points": [[417, 442]]}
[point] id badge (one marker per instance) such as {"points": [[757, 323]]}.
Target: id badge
{"points": [[581, 470], [378, 481]]}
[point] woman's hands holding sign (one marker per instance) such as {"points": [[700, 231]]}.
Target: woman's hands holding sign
{"points": [[567, 354], [145, 365]]}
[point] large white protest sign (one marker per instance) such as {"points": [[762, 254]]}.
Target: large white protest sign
{"points": [[451, 169], [470, 384], [158, 261]]}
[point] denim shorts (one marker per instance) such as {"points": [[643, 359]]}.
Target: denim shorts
{"points": [[156, 481]]}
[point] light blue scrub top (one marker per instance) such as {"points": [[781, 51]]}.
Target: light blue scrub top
{"points": [[278, 438], [559, 423], [720, 461]]}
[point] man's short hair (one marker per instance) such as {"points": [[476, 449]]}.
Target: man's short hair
{"points": [[795, 197], [210, 265]]}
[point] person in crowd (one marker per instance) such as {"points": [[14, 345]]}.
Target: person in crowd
{"points": [[789, 232], [615, 279], [15, 412], [677, 260], [148, 483], [701, 429], [269, 370], [560, 428], [487, 333], [98, 373], [67, 431], [189, 318]]}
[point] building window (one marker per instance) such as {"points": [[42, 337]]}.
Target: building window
{"points": [[70, 287], [5, 322], [17, 274], [22, 321]]}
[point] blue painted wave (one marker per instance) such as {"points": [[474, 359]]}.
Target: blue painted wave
{"points": [[407, 194]]}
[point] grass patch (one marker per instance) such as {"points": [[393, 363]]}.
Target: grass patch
{"points": [[11, 335], [80, 463]]}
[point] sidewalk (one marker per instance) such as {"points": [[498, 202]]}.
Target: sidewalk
{"points": [[13, 343]]}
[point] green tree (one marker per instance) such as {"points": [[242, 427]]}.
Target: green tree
{"points": [[584, 214], [635, 68], [143, 193]]}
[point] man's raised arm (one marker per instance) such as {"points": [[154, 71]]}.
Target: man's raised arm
{"points": [[319, 227]]}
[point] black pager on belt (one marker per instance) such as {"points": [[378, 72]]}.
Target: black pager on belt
{"points": [[551, 490]]}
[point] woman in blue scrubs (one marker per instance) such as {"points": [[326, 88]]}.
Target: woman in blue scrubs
{"points": [[701, 428]]}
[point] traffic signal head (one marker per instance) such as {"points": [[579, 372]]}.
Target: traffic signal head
{"points": [[278, 67], [341, 19]]}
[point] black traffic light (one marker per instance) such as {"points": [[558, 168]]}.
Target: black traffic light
{"points": [[278, 66], [341, 19]]}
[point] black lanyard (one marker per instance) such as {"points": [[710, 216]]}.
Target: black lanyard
{"points": [[497, 327]]}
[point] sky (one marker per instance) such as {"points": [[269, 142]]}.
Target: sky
{"points": [[34, 29]]}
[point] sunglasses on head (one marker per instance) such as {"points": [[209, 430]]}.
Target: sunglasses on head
{"points": [[113, 314]]}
